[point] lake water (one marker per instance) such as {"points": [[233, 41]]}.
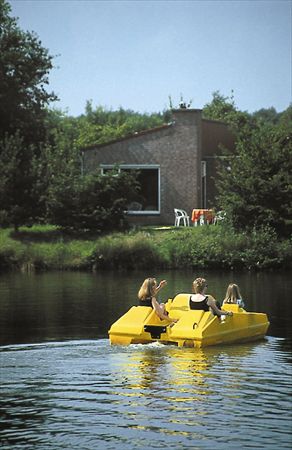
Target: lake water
{"points": [[64, 387]]}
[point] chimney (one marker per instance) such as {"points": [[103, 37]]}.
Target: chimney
{"points": [[186, 117]]}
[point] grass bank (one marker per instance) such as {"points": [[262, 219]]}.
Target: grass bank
{"points": [[209, 247]]}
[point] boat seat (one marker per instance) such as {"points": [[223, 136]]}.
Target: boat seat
{"points": [[180, 302], [189, 323]]}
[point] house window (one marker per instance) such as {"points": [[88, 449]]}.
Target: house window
{"points": [[148, 199]]}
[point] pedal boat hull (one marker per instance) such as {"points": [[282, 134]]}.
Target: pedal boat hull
{"points": [[193, 329]]}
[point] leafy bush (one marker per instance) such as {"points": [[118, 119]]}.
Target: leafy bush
{"points": [[12, 254], [126, 252], [93, 202], [255, 183], [209, 247], [201, 248], [223, 247]]}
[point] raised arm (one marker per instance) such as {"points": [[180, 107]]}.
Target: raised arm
{"points": [[161, 285]]}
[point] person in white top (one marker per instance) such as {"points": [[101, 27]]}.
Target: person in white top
{"points": [[233, 295]]}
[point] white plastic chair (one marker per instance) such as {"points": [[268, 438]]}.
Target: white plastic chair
{"points": [[181, 215]]}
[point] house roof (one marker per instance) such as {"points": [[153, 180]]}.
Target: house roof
{"points": [[129, 136]]}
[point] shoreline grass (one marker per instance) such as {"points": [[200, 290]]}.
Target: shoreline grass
{"points": [[45, 247]]}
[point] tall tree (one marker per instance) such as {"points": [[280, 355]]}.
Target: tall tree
{"points": [[24, 68], [101, 125], [255, 184], [267, 115], [19, 197], [224, 109]]}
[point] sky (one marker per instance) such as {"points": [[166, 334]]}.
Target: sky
{"points": [[135, 54]]}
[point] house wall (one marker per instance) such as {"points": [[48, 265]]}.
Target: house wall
{"points": [[176, 148]]}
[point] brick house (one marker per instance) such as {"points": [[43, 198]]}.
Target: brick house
{"points": [[176, 164]]}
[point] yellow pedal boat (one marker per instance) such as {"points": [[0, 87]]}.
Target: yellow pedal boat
{"points": [[193, 329]]}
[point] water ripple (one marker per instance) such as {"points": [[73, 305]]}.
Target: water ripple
{"points": [[87, 394]]}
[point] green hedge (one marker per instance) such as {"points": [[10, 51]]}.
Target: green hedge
{"points": [[209, 247]]}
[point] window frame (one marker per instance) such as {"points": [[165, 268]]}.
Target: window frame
{"points": [[137, 167]]}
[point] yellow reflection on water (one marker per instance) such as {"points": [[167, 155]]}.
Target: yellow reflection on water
{"points": [[183, 374], [172, 390], [150, 367]]}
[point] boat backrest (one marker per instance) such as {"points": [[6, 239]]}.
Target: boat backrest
{"points": [[181, 302], [232, 307], [189, 324]]}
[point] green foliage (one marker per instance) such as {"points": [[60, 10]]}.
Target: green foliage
{"points": [[12, 253], [212, 247], [224, 109], [220, 108], [126, 252], [267, 115], [93, 202], [42, 248], [101, 125], [24, 67], [254, 182], [20, 200], [285, 117], [255, 185], [223, 248], [62, 133], [60, 157], [270, 116]]}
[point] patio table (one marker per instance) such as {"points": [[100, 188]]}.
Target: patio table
{"points": [[202, 216]]}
